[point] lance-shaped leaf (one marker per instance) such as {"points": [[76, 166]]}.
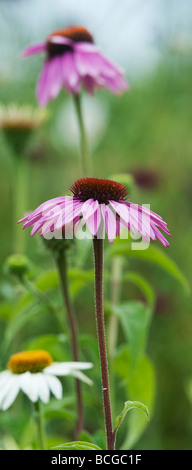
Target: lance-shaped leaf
{"points": [[154, 255], [135, 318], [144, 286], [141, 385], [78, 445], [129, 405]]}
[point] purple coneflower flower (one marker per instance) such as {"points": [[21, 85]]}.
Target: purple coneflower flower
{"points": [[72, 60], [100, 203]]}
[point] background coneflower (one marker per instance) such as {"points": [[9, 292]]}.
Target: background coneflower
{"points": [[18, 124], [73, 61]]}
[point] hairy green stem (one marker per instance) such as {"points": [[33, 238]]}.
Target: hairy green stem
{"points": [[116, 278], [19, 203], [62, 269], [39, 419], [85, 156], [100, 322]]}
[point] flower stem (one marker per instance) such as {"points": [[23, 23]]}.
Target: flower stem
{"points": [[100, 322], [38, 414], [85, 156], [116, 280], [62, 269], [19, 195]]}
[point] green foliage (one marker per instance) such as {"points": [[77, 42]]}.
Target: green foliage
{"points": [[53, 343], [135, 319], [129, 405], [61, 409], [151, 254], [143, 285], [140, 385], [149, 129], [79, 445], [132, 365], [47, 280]]}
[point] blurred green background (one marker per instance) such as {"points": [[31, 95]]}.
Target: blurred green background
{"points": [[147, 133]]}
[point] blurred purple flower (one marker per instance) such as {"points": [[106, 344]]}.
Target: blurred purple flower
{"points": [[147, 178], [72, 60]]}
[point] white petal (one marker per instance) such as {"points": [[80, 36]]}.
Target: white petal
{"points": [[29, 386], [79, 375], [64, 368], [4, 376], [78, 365], [6, 386], [35, 386], [54, 385], [11, 395], [43, 388]]}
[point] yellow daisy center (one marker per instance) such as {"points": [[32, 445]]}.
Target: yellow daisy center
{"points": [[29, 361]]}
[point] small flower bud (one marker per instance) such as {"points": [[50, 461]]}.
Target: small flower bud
{"points": [[17, 264]]}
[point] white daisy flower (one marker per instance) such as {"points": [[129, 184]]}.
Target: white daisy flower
{"points": [[35, 373]]}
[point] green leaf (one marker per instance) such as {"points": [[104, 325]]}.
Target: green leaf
{"points": [[135, 318], [46, 341], [24, 309], [143, 285], [19, 321], [60, 414], [79, 279], [80, 274], [52, 343], [122, 362], [79, 445], [154, 255], [85, 436], [61, 409], [5, 310], [48, 280], [141, 386], [129, 405]]}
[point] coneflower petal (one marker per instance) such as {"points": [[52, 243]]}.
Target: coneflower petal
{"points": [[72, 59], [109, 221], [34, 49], [93, 222], [43, 85], [69, 73]]}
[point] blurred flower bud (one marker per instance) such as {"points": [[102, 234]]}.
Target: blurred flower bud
{"points": [[17, 264], [147, 178], [18, 122]]}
